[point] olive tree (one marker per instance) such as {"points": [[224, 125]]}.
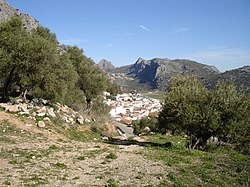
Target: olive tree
{"points": [[201, 113]]}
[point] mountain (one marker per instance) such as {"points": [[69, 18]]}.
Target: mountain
{"points": [[156, 73], [240, 77], [7, 11], [106, 65]]}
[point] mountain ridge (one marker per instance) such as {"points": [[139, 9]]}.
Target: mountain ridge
{"points": [[7, 11], [156, 73]]}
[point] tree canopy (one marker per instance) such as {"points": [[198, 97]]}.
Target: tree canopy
{"points": [[189, 107], [33, 62]]}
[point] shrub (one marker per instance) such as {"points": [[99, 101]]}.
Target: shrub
{"points": [[201, 113]]}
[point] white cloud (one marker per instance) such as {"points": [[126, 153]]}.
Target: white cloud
{"points": [[223, 58], [180, 30], [145, 28]]}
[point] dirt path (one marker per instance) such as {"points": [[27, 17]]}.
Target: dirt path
{"points": [[35, 157]]}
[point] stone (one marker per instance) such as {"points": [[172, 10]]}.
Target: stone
{"points": [[12, 108], [32, 118], [41, 124], [42, 110], [24, 108], [87, 120], [29, 125], [147, 129], [51, 112], [47, 119], [24, 113], [80, 120], [41, 114]]}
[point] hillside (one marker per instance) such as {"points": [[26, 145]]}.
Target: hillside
{"points": [[7, 11], [156, 73], [240, 76], [55, 156]]}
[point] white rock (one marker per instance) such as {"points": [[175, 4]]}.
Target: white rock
{"points": [[12, 108], [41, 124], [42, 110], [87, 120], [47, 119], [24, 113], [41, 114], [51, 112], [80, 120]]}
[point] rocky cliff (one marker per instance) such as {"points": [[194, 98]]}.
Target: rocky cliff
{"points": [[239, 77], [7, 11], [156, 73], [106, 65]]}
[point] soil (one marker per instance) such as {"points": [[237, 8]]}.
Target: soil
{"points": [[32, 156]]}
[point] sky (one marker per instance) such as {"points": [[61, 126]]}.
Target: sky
{"points": [[212, 32]]}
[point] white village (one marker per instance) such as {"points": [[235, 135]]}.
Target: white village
{"points": [[128, 107]]}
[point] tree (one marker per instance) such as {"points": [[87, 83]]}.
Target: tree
{"points": [[24, 56], [200, 113], [92, 80]]}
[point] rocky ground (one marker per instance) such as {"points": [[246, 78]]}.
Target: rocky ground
{"points": [[33, 156]]}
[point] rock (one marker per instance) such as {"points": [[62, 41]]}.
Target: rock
{"points": [[65, 119], [105, 138], [147, 129], [67, 110], [80, 120], [41, 124], [43, 101], [42, 110], [41, 114], [12, 108], [23, 107], [31, 117], [29, 125], [24, 113], [71, 119], [47, 119], [87, 120], [51, 112]]}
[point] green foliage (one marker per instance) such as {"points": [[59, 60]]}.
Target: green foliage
{"points": [[114, 89], [92, 80], [31, 62], [200, 113], [140, 125], [217, 167]]}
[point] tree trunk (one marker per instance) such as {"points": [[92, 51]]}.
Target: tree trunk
{"points": [[7, 85]]}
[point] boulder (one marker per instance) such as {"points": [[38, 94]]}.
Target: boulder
{"points": [[47, 119], [87, 120], [23, 107], [41, 124], [42, 110], [147, 129], [80, 120], [41, 114], [12, 108], [51, 112]]}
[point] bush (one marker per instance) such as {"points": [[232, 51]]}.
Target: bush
{"points": [[201, 113], [140, 125]]}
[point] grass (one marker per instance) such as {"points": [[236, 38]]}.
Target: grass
{"points": [[34, 181], [84, 136], [218, 167]]}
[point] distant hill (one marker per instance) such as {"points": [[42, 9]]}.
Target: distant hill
{"points": [[106, 65], [240, 77], [7, 11], [156, 73]]}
